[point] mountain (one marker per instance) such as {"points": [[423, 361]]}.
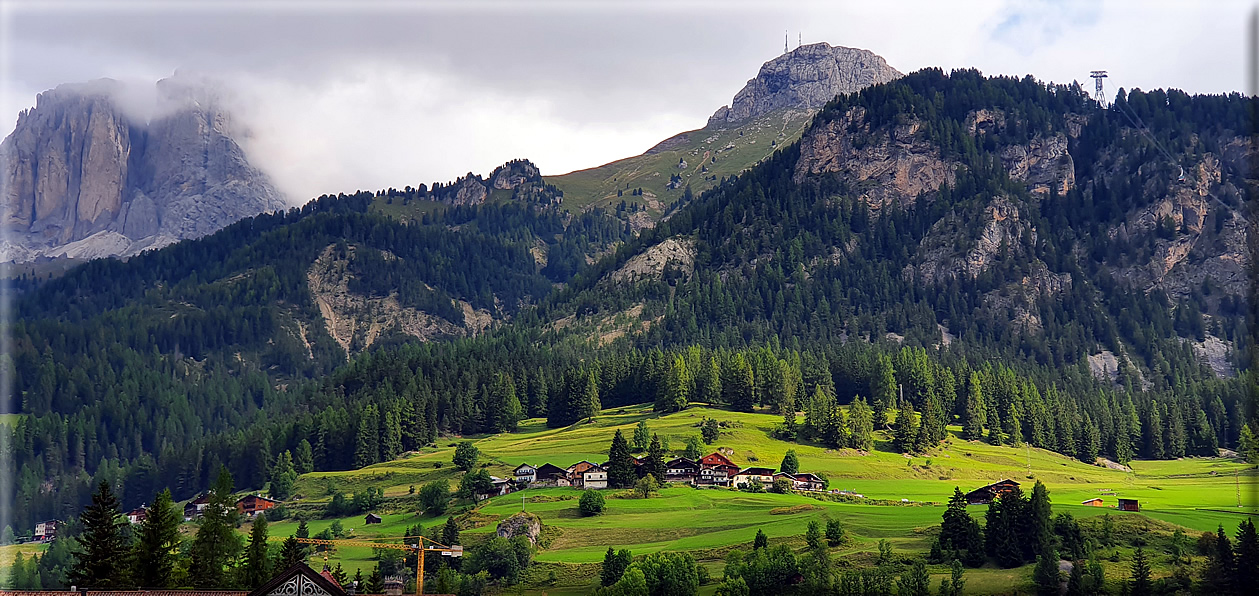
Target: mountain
{"points": [[86, 178], [771, 111]]}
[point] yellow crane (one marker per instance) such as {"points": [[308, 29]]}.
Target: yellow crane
{"points": [[424, 545]]}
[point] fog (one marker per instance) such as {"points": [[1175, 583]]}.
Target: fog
{"points": [[338, 97]]}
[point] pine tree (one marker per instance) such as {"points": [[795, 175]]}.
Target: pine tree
{"points": [[588, 405], [291, 553], [931, 431], [1091, 441], [450, 532], [790, 464], [883, 391], [676, 391], [216, 543], [1221, 567], [614, 566], [375, 582], [1040, 512], [1075, 583], [257, 563], [157, 550], [740, 387], [655, 458], [761, 540], [1140, 584], [641, 436], [102, 561], [861, 425], [1247, 551], [817, 574], [391, 434], [367, 443], [711, 385], [915, 581], [1045, 575], [504, 404], [621, 473], [973, 415]]}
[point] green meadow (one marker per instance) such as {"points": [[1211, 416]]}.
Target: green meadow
{"points": [[903, 497]]}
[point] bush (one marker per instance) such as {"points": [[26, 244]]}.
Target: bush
{"points": [[781, 486], [466, 455], [277, 513], [834, 532], [434, 496], [645, 486], [591, 503]]}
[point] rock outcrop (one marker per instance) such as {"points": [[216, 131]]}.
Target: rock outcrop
{"points": [[521, 524], [520, 176], [85, 179], [806, 78]]}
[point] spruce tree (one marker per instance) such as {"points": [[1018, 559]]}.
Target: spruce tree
{"points": [[614, 565], [761, 540], [1045, 575], [216, 544], [1247, 550], [283, 476], [157, 550], [655, 458], [883, 392], [291, 553], [1140, 584], [905, 431], [675, 393], [450, 532], [101, 561], [915, 581], [375, 582], [621, 473], [641, 436], [367, 443], [1040, 513], [790, 464], [974, 412], [304, 459], [740, 387], [257, 562], [711, 391], [861, 425]]}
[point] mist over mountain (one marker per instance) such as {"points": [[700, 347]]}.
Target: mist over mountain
{"points": [[104, 169]]}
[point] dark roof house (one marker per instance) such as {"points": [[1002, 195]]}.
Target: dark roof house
{"points": [[987, 494]]}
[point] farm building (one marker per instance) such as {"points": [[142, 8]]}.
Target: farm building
{"points": [[1094, 502], [195, 507], [681, 469], [1129, 505], [576, 470], [525, 473], [749, 475], [987, 494], [47, 530], [808, 481], [250, 505], [372, 518], [549, 473]]}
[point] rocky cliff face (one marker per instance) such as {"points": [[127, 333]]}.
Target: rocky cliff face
{"points": [[806, 78], [84, 179]]}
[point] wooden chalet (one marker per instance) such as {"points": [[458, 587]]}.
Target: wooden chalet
{"points": [[549, 473], [251, 505], [525, 473], [300, 580], [372, 518], [576, 470], [808, 481], [681, 469], [46, 531], [1094, 502], [196, 507], [1129, 505], [987, 494], [713, 477], [764, 476]]}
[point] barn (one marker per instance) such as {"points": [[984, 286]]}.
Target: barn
{"points": [[987, 494]]}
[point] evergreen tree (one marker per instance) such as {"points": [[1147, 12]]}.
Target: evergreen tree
{"points": [[291, 553], [614, 566], [709, 430], [931, 431], [1075, 583], [641, 436], [216, 544], [675, 393], [915, 581], [375, 582], [504, 410], [450, 532], [367, 443], [304, 459], [739, 388], [1247, 551], [466, 455], [694, 448], [101, 562], [157, 550], [710, 392], [861, 425], [817, 574], [655, 458], [283, 476], [1140, 584], [1091, 442], [761, 540], [790, 464], [973, 414], [905, 431], [883, 390], [1221, 566], [257, 562], [1045, 575], [1040, 512], [956, 584], [621, 473]]}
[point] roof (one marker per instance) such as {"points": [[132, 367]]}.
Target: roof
{"points": [[1091, 500], [257, 497], [525, 466], [372, 516], [997, 483], [757, 471], [808, 477], [1127, 500], [719, 457], [304, 581]]}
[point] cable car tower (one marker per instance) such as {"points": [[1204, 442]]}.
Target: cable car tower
{"points": [[1097, 76]]}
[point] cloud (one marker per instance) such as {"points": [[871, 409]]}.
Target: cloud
{"points": [[340, 97]]}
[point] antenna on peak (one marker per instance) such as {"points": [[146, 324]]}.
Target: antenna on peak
{"points": [[799, 40], [1097, 76], [785, 50]]}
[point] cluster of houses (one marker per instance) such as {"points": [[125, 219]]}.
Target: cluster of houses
{"points": [[248, 506], [713, 469]]}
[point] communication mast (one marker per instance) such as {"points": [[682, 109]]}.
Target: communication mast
{"points": [[785, 50], [1097, 76]]}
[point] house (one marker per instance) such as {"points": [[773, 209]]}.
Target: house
{"points": [[372, 518], [46, 531], [764, 476], [297, 579], [716, 460], [576, 470], [549, 474], [808, 481], [1094, 502], [394, 585], [525, 473], [250, 505], [502, 486], [713, 477], [1129, 505], [681, 469], [137, 515], [791, 480], [596, 477], [196, 507], [987, 494]]}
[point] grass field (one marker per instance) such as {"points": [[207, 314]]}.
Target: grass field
{"points": [[1196, 493]]}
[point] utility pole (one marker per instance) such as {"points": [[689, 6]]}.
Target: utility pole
{"points": [[785, 50], [1097, 76]]}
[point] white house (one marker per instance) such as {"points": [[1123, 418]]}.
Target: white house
{"points": [[525, 473], [595, 478], [764, 476]]}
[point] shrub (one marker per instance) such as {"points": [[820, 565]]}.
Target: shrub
{"points": [[645, 486], [781, 486], [591, 503], [466, 455], [434, 496]]}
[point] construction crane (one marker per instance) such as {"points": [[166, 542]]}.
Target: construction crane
{"points": [[420, 547]]}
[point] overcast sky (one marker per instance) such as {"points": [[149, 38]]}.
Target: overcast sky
{"points": [[341, 96]]}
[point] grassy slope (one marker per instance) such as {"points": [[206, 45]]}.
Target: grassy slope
{"points": [[752, 142], [709, 522]]}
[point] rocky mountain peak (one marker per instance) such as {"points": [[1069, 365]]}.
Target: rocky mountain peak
{"points": [[806, 78], [106, 169]]}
